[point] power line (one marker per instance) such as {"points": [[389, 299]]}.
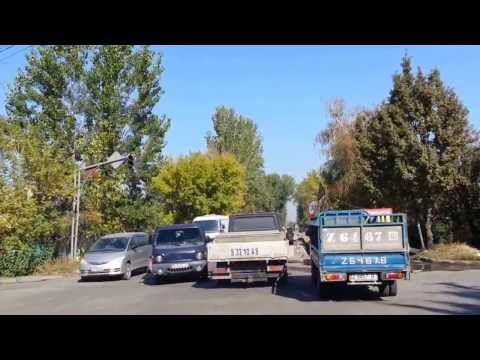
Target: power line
{"points": [[6, 48], [16, 52]]}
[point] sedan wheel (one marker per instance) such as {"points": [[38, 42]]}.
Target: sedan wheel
{"points": [[128, 273]]}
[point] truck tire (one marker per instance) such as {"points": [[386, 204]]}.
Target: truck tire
{"points": [[324, 290], [314, 272], [203, 276], [384, 289], [393, 288], [284, 278], [223, 282]]}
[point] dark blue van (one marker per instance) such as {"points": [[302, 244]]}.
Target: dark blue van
{"points": [[179, 249]]}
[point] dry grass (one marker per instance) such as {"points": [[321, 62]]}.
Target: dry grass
{"points": [[453, 251], [58, 267]]}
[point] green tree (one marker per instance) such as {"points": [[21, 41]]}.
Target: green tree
{"points": [[411, 147], [34, 188], [307, 191], [121, 89], [46, 94], [238, 135], [281, 189], [86, 102], [201, 184], [340, 170]]}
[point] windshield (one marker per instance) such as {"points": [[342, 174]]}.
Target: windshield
{"points": [[179, 236], [110, 244], [209, 226], [253, 223]]}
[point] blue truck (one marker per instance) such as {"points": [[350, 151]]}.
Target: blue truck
{"points": [[356, 248]]}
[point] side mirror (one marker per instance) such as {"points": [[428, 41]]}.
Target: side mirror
{"points": [[222, 228]]}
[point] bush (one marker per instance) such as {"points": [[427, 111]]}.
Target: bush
{"points": [[23, 261], [58, 267], [453, 251]]}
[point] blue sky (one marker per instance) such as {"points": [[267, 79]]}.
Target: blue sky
{"points": [[284, 89]]}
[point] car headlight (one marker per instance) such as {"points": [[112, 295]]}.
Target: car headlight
{"points": [[116, 263], [158, 259], [83, 262], [199, 256]]}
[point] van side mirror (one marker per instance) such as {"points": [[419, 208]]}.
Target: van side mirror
{"points": [[222, 228]]}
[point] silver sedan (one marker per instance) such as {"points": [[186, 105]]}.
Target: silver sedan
{"points": [[117, 255]]}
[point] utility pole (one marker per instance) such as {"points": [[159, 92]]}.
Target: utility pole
{"points": [[77, 219], [115, 160], [74, 211]]}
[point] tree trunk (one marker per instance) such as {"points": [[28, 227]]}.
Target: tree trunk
{"points": [[428, 228], [451, 231]]}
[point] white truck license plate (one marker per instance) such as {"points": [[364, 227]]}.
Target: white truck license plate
{"points": [[179, 266], [363, 277], [247, 251]]}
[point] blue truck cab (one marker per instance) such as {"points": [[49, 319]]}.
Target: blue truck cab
{"points": [[179, 249], [353, 247]]}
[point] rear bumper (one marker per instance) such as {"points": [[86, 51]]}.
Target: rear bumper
{"points": [[247, 271], [381, 277], [246, 277]]}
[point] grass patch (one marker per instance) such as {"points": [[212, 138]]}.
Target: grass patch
{"points": [[58, 267], [452, 252]]}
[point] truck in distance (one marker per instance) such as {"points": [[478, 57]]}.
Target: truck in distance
{"points": [[355, 247], [212, 224], [254, 249]]}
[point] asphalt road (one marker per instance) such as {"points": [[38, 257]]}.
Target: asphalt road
{"points": [[436, 292]]}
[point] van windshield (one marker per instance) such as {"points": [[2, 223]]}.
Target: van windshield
{"points": [[209, 226], [109, 244], [179, 236]]}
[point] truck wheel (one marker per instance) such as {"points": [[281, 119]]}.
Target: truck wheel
{"points": [[384, 289], [324, 290], [223, 282], [393, 288], [314, 272], [284, 278], [204, 275]]}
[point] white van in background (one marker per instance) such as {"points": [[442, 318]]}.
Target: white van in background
{"points": [[212, 224]]}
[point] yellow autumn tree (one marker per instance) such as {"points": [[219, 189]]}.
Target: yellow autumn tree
{"points": [[201, 184]]}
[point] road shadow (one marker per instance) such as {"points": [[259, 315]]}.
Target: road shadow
{"points": [[298, 287], [214, 284], [457, 306], [151, 280], [106, 278], [301, 288]]}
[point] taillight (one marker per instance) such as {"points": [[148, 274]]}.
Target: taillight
{"points": [[394, 276], [335, 277], [274, 268], [220, 270]]}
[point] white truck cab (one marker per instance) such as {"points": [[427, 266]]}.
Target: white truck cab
{"points": [[212, 224]]}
